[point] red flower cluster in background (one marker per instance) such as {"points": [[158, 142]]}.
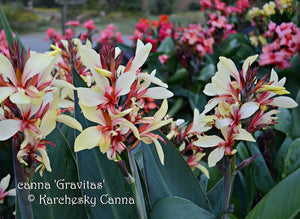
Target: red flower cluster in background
{"points": [[285, 43], [154, 31], [218, 5]]}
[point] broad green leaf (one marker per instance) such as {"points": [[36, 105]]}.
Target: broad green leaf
{"points": [[281, 155], [61, 183], [8, 32], [215, 196], [167, 46], [180, 75], [292, 159], [295, 129], [261, 173], [248, 174], [239, 195], [207, 72], [174, 178], [281, 202], [284, 121], [179, 208]]}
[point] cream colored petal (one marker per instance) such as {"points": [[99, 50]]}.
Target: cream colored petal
{"points": [[208, 141], [19, 97], [69, 121], [101, 81], [151, 79], [212, 103], [7, 70], [6, 92], [124, 82], [38, 63], [220, 123], [274, 76], [9, 128], [209, 90], [88, 139], [248, 62], [244, 135], [215, 156], [230, 68], [248, 109], [62, 84], [158, 93], [203, 170], [48, 123], [92, 114], [117, 52], [141, 54], [5, 182], [284, 102], [159, 150], [220, 86], [45, 158], [156, 126], [105, 144], [132, 127], [161, 113], [90, 58], [11, 192], [89, 97]]}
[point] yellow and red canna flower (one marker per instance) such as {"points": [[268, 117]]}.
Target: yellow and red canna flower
{"points": [[28, 83], [223, 146]]}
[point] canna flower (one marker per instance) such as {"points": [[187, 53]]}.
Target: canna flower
{"points": [[193, 161], [3, 186], [152, 123], [116, 102], [269, 8], [222, 146], [28, 84], [108, 134]]}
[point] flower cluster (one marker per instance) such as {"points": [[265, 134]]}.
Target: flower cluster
{"points": [[217, 5], [116, 102], [285, 43], [241, 105], [154, 31], [110, 35], [218, 28], [30, 104], [3, 44], [196, 40], [284, 5], [69, 34]]}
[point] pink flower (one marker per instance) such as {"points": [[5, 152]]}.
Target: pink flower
{"points": [[90, 25], [163, 58], [72, 23]]}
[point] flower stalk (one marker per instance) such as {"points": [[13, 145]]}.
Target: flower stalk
{"points": [[20, 176], [136, 186], [228, 179]]}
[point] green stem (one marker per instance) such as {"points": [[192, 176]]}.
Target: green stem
{"points": [[20, 177], [137, 187], [227, 187]]}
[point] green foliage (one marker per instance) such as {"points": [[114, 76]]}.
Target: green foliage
{"points": [[174, 207], [162, 181], [161, 7], [281, 202], [18, 17]]}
